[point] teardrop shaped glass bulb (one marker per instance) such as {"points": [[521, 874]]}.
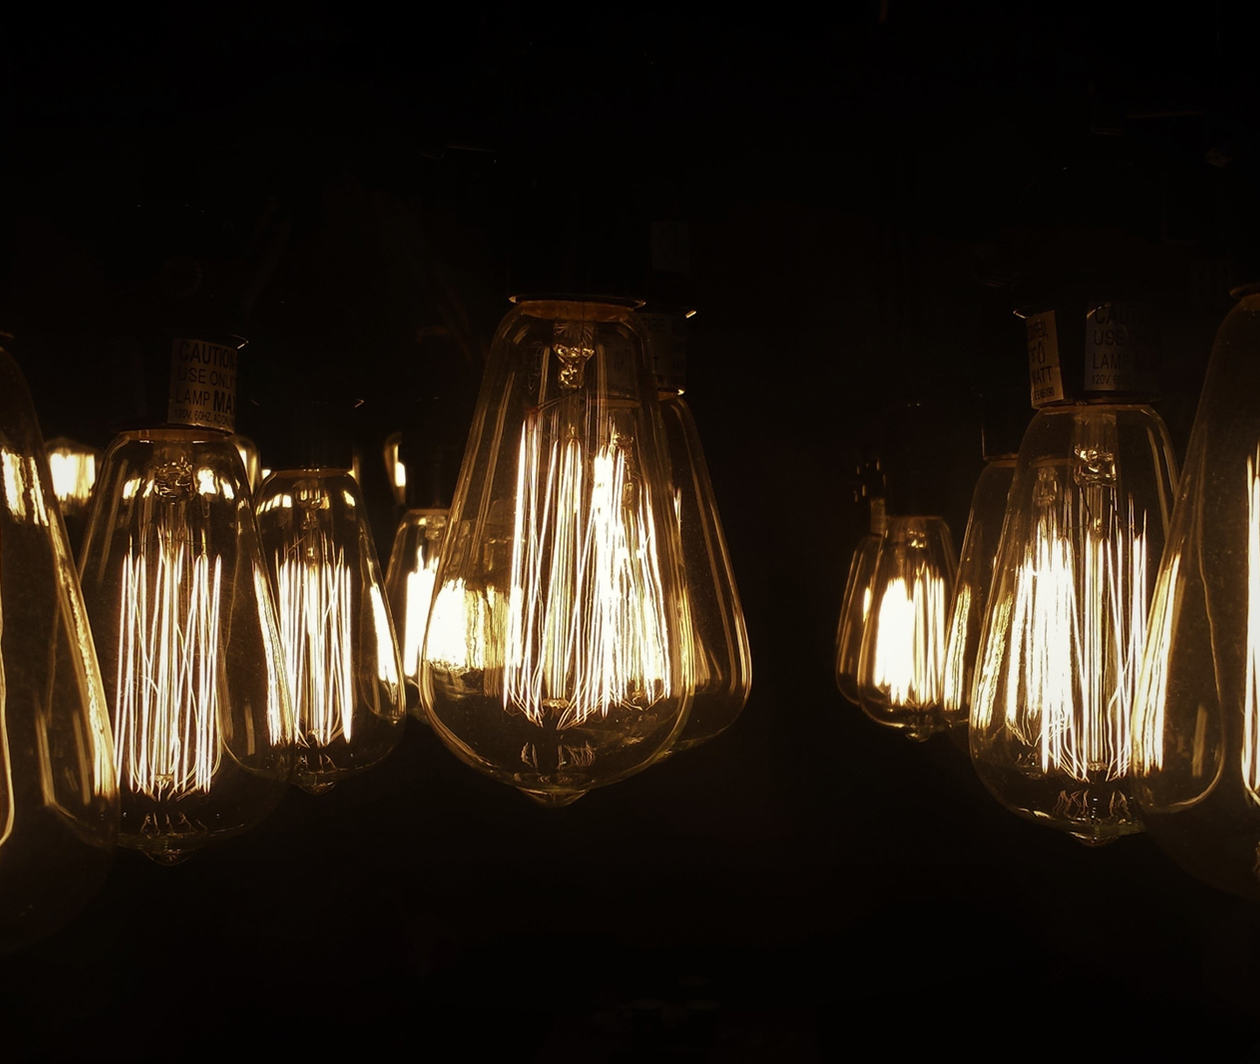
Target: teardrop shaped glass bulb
{"points": [[855, 604], [971, 590], [1196, 729], [558, 652], [902, 660], [1065, 626], [58, 795], [180, 602], [340, 656], [409, 582], [721, 658]]}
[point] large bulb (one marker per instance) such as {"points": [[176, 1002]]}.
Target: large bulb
{"points": [[721, 658], [340, 656], [58, 796], [409, 582], [1065, 626], [971, 590], [902, 659], [558, 651], [1196, 729], [180, 602]]}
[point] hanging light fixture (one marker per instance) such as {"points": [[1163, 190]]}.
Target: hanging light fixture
{"points": [[180, 602], [58, 792], [1065, 626], [558, 652], [1196, 725], [337, 636], [901, 660]]}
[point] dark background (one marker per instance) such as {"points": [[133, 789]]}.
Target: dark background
{"points": [[854, 203]]}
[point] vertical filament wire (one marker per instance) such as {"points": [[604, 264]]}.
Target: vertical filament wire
{"points": [[167, 685], [315, 608], [587, 623]]}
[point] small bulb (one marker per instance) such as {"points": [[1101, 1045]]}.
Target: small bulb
{"points": [[902, 659], [336, 633]]}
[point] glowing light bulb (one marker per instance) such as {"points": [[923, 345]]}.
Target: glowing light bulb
{"points": [[73, 469], [1065, 626], [58, 795], [558, 653], [902, 658], [180, 601], [855, 605], [340, 656], [1196, 769], [971, 590], [409, 583], [721, 658]]}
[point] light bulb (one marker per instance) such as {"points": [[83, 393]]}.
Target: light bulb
{"points": [[409, 582], [902, 658], [1065, 625], [58, 796], [1196, 772], [340, 656], [855, 604], [971, 589], [72, 466], [558, 651], [180, 601], [721, 658]]}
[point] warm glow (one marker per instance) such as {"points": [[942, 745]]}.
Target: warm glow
{"points": [[586, 623], [314, 609], [1251, 708], [416, 615], [166, 711], [73, 472], [911, 640], [1080, 617], [956, 698]]}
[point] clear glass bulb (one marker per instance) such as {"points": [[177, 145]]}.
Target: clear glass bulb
{"points": [[409, 582], [902, 660], [855, 604], [340, 655], [58, 795], [180, 602], [1196, 728], [971, 590], [1065, 626], [558, 651], [73, 469], [721, 658]]}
